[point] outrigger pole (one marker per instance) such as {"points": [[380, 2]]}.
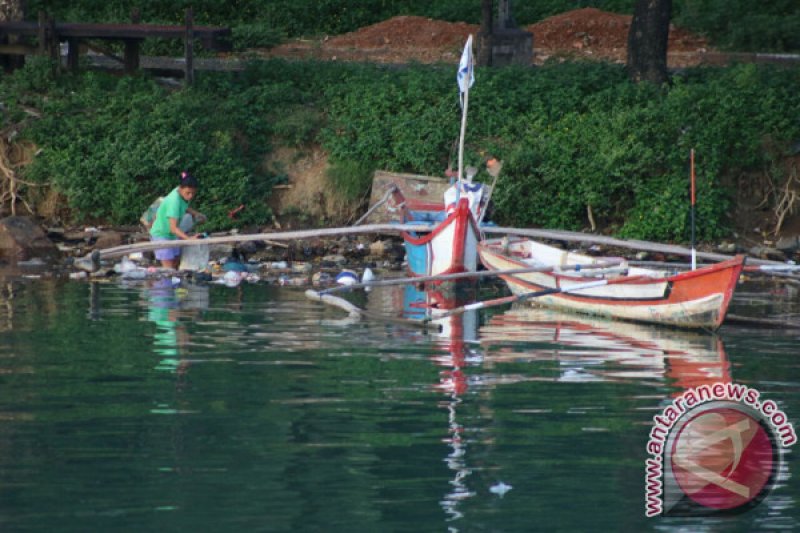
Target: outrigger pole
{"points": [[691, 173]]}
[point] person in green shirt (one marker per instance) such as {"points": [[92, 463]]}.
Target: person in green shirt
{"points": [[166, 226]]}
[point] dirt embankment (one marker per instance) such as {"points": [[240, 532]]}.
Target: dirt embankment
{"points": [[584, 33]]}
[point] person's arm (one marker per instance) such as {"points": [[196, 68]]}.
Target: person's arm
{"points": [[176, 230]]}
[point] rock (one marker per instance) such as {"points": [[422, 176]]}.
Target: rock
{"points": [[76, 236], [218, 251], [321, 278], [726, 248], [335, 259], [377, 249], [21, 239], [248, 248], [108, 239], [788, 245], [302, 268], [765, 252]]}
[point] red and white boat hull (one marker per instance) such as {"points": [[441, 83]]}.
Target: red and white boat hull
{"points": [[694, 299]]}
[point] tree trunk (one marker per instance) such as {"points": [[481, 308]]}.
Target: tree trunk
{"points": [[647, 41], [484, 56], [11, 11]]}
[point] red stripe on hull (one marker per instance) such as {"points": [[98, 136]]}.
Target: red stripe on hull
{"points": [[680, 289]]}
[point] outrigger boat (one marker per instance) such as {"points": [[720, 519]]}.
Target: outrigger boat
{"points": [[692, 299], [451, 245]]}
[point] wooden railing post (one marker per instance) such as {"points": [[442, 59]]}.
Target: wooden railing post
{"points": [[73, 53], [42, 33], [132, 46], [189, 48]]}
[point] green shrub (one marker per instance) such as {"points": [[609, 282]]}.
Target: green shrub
{"points": [[256, 35], [351, 179], [573, 137]]}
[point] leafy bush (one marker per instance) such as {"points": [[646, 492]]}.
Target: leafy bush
{"points": [[351, 179], [573, 137], [111, 145], [256, 35], [742, 24]]}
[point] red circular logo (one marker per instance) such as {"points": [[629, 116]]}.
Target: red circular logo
{"points": [[723, 458]]}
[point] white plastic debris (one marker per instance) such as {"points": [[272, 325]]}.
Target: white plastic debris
{"points": [[367, 276], [126, 265], [134, 274], [500, 488], [232, 278]]}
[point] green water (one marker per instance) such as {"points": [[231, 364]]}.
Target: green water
{"points": [[133, 408]]}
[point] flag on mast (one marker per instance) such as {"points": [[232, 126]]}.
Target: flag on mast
{"points": [[466, 72]]}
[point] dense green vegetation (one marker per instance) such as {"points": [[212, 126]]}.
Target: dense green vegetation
{"points": [[737, 24], [572, 136]]}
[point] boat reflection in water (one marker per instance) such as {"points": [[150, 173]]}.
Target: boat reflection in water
{"points": [[595, 349], [573, 349], [459, 349]]}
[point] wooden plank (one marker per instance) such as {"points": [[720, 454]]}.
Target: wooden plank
{"points": [[18, 49], [115, 31], [414, 187]]}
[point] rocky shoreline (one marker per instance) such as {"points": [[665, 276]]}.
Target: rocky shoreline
{"points": [[31, 251]]}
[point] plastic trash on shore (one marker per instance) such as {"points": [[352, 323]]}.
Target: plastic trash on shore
{"points": [[347, 277], [367, 276], [195, 258], [321, 278], [231, 278], [124, 266], [134, 274]]}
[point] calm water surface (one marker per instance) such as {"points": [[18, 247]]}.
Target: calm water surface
{"points": [[148, 408]]}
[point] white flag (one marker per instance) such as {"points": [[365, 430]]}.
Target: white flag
{"points": [[466, 73]]}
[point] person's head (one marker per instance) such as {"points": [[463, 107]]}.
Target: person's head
{"points": [[188, 186]]}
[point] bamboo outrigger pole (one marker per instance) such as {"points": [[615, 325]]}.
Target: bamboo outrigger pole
{"points": [[691, 172]]}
